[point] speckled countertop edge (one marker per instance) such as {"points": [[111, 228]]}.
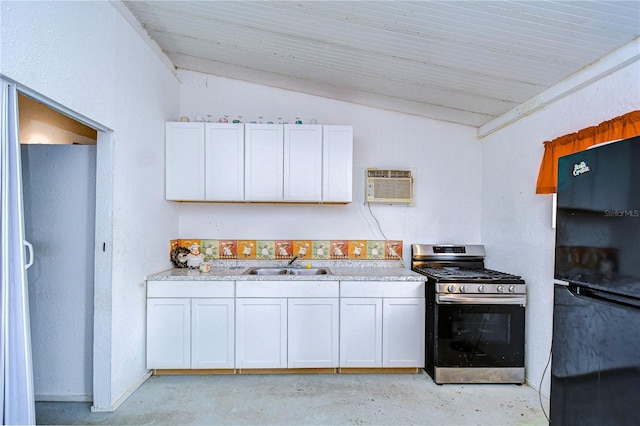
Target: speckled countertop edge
{"points": [[340, 271]]}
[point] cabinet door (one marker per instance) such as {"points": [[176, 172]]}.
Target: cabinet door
{"points": [[302, 162], [224, 162], [184, 161], [403, 332], [168, 333], [361, 332], [212, 333], [337, 164], [263, 162], [261, 333], [313, 333]]}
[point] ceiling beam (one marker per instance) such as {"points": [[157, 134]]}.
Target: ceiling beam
{"points": [[603, 67]]}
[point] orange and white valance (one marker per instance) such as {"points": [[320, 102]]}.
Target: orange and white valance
{"points": [[622, 127]]}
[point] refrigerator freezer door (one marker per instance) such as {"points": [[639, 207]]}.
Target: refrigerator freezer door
{"points": [[595, 372]]}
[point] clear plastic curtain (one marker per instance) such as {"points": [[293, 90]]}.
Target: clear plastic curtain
{"points": [[18, 406]]}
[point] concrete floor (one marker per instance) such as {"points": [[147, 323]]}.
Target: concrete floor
{"points": [[319, 399]]}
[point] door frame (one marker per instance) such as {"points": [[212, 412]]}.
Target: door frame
{"points": [[103, 248]]}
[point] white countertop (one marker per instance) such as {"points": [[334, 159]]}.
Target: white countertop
{"points": [[364, 272]]}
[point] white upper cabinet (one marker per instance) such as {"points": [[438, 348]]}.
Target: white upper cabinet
{"points": [[258, 162], [224, 162], [204, 162], [302, 162], [337, 164], [263, 175], [184, 161]]}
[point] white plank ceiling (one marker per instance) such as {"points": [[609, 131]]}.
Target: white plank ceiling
{"points": [[465, 62]]}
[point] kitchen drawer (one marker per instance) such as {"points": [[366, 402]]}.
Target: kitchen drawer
{"points": [[190, 289], [287, 289], [382, 289]]}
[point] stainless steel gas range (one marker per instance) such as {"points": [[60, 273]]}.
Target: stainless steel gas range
{"points": [[475, 316]]}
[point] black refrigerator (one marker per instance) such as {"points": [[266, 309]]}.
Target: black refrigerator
{"points": [[595, 367]]}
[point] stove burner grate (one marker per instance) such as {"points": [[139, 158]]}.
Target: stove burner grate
{"points": [[463, 274]]}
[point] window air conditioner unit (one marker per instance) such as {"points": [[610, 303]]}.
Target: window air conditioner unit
{"points": [[389, 186]]}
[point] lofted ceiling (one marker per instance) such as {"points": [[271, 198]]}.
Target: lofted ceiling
{"points": [[466, 62]]}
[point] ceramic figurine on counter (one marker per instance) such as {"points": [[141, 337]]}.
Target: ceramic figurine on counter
{"points": [[179, 257], [187, 257], [194, 258]]}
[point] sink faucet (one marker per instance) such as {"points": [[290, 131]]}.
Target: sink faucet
{"points": [[293, 260]]}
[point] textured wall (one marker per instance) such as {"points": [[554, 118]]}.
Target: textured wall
{"points": [[446, 158], [85, 56], [516, 223]]}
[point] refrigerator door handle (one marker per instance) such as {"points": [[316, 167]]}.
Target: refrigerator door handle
{"points": [[30, 251], [605, 297]]}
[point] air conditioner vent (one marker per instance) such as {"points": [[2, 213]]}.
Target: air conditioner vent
{"points": [[377, 173], [389, 186]]}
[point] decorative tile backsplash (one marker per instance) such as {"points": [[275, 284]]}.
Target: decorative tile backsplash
{"points": [[208, 250]]}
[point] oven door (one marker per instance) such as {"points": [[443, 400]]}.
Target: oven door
{"points": [[480, 332]]}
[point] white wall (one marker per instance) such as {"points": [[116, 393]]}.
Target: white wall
{"points": [[516, 223], [447, 159], [85, 56]]}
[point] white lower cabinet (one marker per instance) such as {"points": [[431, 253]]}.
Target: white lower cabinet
{"points": [[361, 332], [287, 324], [383, 331], [403, 332], [187, 329], [212, 333], [261, 333], [168, 333], [313, 327]]}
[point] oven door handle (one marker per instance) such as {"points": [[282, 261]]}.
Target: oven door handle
{"points": [[481, 299]]}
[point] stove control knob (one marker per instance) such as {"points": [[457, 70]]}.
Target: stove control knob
{"points": [[482, 289], [451, 288], [500, 289], [512, 289], [463, 289]]}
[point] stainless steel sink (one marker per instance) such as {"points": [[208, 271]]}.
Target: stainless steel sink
{"points": [[286, 271], [265, 271], [310, 271]]}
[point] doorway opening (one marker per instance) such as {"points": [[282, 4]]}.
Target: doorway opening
{"points": [[67, 165]]}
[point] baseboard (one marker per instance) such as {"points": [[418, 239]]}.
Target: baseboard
{"points": [[536, 386], [385, 370], [124, 396], [287, 371], [53, 397], [382, 370], [194, 372]]}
